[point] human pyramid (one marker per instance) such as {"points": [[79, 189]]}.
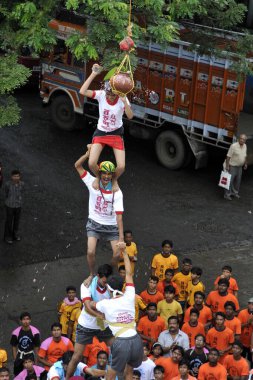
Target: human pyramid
{"points": [[169, 331]]}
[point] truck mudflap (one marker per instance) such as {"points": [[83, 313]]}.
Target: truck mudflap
{"points": [[199, 150]]}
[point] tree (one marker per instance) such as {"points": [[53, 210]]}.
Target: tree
{"points": [[25, 23]]}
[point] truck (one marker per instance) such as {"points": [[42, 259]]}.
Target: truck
{"points": [[183, 101]]}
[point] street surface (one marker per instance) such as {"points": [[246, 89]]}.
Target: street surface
{"points": [[186, 206]]}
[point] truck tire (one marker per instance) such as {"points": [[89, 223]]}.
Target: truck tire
{"points": [[62, 113], [171, 150]]}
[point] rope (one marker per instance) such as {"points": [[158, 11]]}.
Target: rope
{"points": [[129, 28]]}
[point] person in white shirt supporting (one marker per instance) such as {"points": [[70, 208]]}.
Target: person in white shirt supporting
{"points": [[147, 366], [58, 369], [235, 161], [105, 210], [110, 125], [119, 311]]}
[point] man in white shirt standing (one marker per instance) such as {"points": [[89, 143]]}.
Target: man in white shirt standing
{"points": [[147, 366], [105, 210], [90, 322], [235, 161], [119, 311]]}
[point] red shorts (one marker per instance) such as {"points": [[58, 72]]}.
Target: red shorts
{"points": [[114, 141]]}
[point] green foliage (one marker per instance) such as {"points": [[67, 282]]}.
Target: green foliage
{"points": [[13, 75], [9, 111]]}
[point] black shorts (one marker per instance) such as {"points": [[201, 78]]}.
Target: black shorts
{"points": [[85, 336], [126, 351]]}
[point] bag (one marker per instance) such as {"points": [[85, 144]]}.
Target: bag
{"points": [[225, 179]]}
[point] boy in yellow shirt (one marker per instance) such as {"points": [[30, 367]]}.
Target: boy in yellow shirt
{"points": [[181, 279], [66, 308], [164, 260], [169, 306], [194, 285], [131, 250]]}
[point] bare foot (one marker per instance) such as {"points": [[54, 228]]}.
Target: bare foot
{"points": [[115, 186], [95, 184]]}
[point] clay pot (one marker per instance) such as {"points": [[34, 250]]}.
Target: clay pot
{"points": [[126, 44], [122, 83]]}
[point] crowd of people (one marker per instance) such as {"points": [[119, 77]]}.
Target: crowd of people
{"points": [[185, 333]]}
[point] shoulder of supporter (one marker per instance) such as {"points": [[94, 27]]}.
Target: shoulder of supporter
{"points": [[87, 178], [85, 292]]}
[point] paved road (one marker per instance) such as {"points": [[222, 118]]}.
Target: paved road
{"points": [[185, 206]]}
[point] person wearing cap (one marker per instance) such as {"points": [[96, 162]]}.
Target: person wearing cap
{"points": [[119, 312], [110, 125], [246, 318], [105, 210]]}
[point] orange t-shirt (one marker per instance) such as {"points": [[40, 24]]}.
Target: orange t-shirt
{"points": [[236, 367], [193, 331], [233, 287], [147, 298], [206, 372], [53, 351], [205, 315], [217, 302], [220, 339], [170, 368], [91, 351], [189, 378], [234, 325], [151, 329], [182, 282], [161, 285], [244, 316]]}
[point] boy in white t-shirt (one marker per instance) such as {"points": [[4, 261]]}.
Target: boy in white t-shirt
{"points": [[147, 366], [110, 125], [105, 210], [119, 311]]}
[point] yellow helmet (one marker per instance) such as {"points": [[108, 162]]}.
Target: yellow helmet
{"points": [[107, 166]]}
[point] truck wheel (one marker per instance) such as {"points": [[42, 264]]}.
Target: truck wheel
{"points": [[170, 150], [62, 113]]}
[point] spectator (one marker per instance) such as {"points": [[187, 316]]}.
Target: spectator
{"points": [[70, 303], [217, 298], [59, 368], [181, 279], [193, 327], [169, 274], [136, 374], [164, 260], [237, 367], [173, 337], [25, 340], [152, 294], [169, 306], [231, 321], [30, 369], [158, 372], [102, 361], [147, 366], [13, 203], [212, 369], [235, 161], [197, 355], [184, 369], [227, 273], [151, 325], [52, 349], [72, 325], [246, 318], [194, 285], [131, 249], [170, 365], [4, 373], [3, 358], [91, 351], [220, 337], [156, 351], [205, 314]]}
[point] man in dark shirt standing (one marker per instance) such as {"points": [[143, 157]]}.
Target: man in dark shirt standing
{"points": [[25, 340], [13, 203], [197, 355]]}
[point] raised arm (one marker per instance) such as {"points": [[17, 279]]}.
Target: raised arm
{"points": [[79, 163], [84, 90], [127, 263]]}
